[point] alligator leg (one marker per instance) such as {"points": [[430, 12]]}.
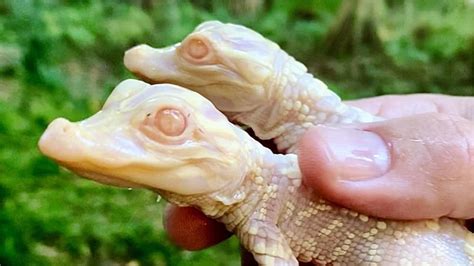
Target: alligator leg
{"points": [[267, 243]]}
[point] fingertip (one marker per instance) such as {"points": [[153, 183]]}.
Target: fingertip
{"points": [[360, 188], [190, 229], [312, 157], [315, 164], [331, 158]]}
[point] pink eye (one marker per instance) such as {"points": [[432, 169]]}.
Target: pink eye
{"points": [[197, 49], [170, 122]]}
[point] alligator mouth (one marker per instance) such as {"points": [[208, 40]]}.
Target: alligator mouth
{"points": [[102, 178], [146, 79]]}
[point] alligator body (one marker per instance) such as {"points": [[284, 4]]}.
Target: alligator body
{"points": [[249, 78], [175, 142]]}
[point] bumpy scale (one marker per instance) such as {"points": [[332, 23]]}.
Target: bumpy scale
{"points": [[175, 142], [247, 77]]}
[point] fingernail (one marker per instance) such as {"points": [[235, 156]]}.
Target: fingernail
{"points": [[355, 154]]}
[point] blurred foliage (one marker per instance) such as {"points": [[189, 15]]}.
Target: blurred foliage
{"points": [[62, 58]]}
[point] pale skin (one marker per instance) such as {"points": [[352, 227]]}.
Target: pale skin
{"points": [[221, 170], [431, 146], [177, 143]]}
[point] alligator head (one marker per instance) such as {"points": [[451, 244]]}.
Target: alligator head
{"points": [[154, 136]]}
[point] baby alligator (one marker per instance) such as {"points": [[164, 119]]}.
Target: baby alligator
{"points": [[175, 142]]}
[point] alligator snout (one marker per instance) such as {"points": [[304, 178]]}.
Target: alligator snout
{"points": [[135, 57], [152, 64], [59, 141]]}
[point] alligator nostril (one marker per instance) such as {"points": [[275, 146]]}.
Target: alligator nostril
{"points": [[66, 128], [57, 141], [60, 126]]}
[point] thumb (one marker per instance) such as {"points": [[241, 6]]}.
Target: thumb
{"points": [[414, 167]]}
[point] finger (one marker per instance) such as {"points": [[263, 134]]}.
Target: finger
{"points": [[408, 168], [394, 106], [190, 229]]}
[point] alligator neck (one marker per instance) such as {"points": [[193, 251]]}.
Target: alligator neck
{"points": [[297, 101], [273, 179], [239, 194]]}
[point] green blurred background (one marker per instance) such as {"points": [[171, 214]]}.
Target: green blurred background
{"points": [[59, 58]]}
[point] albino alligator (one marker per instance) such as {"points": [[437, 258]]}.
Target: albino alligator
{"points": [[175, 142], [247, 77]]}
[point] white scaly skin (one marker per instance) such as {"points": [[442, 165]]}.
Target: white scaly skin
{"points": [[247, 77], [299, 103], [196, 157]]}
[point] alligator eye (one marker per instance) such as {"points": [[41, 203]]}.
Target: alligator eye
{"points": [[170, 122], [197, 48]]}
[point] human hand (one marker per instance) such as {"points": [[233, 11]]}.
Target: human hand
{"points": [[417, 164], [430, 172]]}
